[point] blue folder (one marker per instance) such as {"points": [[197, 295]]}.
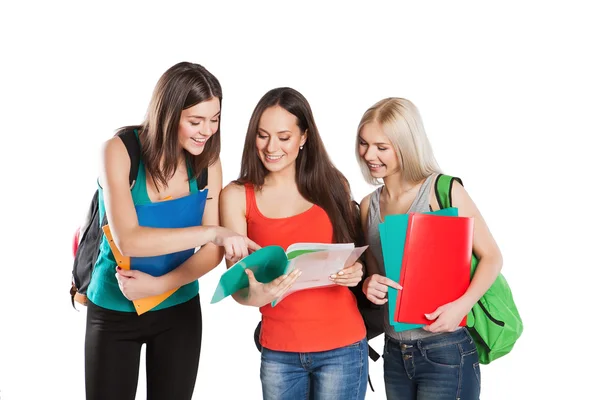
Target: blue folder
{"points": [[183, 212]]}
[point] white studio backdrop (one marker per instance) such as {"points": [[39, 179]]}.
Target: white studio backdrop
{"points": [[509, 98]]}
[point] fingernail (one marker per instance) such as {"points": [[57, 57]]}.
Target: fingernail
{"points": [[332, 277], [341, 273]]}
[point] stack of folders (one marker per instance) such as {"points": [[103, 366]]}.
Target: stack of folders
{"points": [[429, 255], [183, 212]]}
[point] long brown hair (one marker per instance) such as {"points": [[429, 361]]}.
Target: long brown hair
{"points": [[318, 180], [182, 86]]}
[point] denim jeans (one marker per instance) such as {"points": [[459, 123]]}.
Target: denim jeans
{"points": [[339, 374], [439, 367]]}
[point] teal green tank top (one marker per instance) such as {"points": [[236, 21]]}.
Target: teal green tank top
{"points": [[103, 289]]}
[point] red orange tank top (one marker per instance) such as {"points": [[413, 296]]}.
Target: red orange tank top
{"points": [[311, 320]]}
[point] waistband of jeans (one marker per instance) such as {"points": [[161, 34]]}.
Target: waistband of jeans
{"points": [[443, 339]]}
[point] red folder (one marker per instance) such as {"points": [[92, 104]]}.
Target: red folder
{"points": [[436, 267]]}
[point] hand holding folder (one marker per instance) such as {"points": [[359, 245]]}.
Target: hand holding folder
{"points": [[393, 236], [141, 305], [317, 262], [182, 212], [436, 265]]}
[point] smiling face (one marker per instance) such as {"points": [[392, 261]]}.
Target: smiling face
{"points": [[376, 150], [278, 139], [197, 124]]}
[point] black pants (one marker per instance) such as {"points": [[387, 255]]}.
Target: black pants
{"points": [[113, 341]]}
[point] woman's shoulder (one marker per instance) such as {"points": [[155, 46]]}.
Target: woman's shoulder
{"points": [[114, 154], [454, 183], [113, 145], [233, 191], [458, 195], [365, 203]]}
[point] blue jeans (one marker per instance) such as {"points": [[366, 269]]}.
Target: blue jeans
{"points": [[339, 374], [440, 367]]}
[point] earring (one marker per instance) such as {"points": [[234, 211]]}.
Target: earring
{"points": [[301, 147]]}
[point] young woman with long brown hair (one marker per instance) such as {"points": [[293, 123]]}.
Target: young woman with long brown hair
{"points": [[179, 145], [313, 342]]}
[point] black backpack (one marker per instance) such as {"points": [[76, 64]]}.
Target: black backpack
{"points": [[90, 233]]}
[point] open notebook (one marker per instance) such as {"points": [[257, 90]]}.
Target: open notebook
{"points": [[317, 261]]}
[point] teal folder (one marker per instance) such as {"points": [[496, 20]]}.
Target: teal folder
{"points": [[393, 236], [267, 263]]}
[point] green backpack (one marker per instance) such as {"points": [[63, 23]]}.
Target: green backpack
{"points": [[493, 322]]}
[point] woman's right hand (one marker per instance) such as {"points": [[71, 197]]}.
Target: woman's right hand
{"points": [[236, 246], [260, 294], [375, 287]]}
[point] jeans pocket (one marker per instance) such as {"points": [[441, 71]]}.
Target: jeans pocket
{"points": [[444, 356], [468, 349]]}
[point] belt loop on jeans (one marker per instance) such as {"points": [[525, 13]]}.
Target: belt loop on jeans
{"points": [[466, 331]]}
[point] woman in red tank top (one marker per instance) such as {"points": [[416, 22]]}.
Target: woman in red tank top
{"points": [[313, 341]]}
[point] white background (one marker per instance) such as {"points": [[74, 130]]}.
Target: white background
{"points": [[509, 94]]}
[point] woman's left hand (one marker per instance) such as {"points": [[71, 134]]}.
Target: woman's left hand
{"points": [[137, 285], [349, 276], [447, 317]]}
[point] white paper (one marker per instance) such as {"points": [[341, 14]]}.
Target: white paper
{"points": [[317, 267]]}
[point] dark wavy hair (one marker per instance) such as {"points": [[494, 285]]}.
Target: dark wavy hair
{"points": [[318, 180]]}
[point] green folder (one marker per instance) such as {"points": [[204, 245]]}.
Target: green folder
{"points": [[393, 236], [267, 263]]}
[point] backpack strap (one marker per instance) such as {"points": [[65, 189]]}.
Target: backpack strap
{"points": [[202, 180], [443, 190], [132, 144]]}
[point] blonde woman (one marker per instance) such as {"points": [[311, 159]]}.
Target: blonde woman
{"points": [[438, 361]]}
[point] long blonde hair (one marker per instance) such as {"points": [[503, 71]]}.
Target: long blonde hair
{"points": [[402, 125]]}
